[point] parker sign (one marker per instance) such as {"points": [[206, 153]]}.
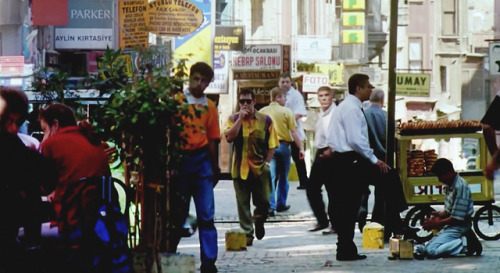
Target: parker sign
{"points": [[311, 82]]}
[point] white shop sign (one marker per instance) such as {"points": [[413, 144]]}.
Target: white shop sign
{"points": [[83, 38], [311, 82], [258, 57]]}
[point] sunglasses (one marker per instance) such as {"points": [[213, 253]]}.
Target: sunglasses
{"points": [[247, 101]]}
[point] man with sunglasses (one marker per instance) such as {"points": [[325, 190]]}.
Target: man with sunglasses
{"points": [[254, 141], [286, 128]]}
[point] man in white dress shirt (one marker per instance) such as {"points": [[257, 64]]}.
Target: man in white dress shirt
{"points": [[295, 102], [354, 164], [321, 166]]}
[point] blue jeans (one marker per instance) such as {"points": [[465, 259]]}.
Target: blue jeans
{"points": [[449, 242], [196, 180], [280, 165]]}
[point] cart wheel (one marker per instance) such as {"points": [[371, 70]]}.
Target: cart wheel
{"points": [[415, 218], [487, 222]]}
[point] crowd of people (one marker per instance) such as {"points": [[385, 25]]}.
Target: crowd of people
{"points": [[350, 155]]}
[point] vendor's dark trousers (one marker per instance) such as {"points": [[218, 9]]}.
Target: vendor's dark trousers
{"points": [[346, 197], [320, 175], [300, 165]]}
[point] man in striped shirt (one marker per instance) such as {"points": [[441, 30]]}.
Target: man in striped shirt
{"points": [[457, 236]]}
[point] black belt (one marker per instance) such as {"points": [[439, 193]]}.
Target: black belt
{"points": [[198, 151], [285, 142]]}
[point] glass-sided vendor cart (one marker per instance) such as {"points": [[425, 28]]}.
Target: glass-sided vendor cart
{"points": [[418, 150]]}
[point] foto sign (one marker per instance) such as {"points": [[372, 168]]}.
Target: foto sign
{"points": [[311, 82], [413, 84]]}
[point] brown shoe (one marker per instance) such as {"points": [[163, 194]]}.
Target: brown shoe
{"points": [[249, 241]]}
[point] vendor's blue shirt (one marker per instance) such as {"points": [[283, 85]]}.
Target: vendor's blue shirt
{"points": [[458, 203]]}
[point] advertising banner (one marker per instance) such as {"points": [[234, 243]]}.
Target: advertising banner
{"points": [[90, 26], [413, 84], [353, 36], [133, 29], [353, 19], [221, 74], [229, 38], [168, 17], [311, 49], [494, 58], [197, 46]]}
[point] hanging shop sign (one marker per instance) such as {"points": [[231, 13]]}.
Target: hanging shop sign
{"points": [[132, 18], [353, 36], [312, 82], [169, 17], [312, 49], [353, 19], [219, 85], [413, 84], [229, 38], [90, 26], [494, 58], [258, 57]]}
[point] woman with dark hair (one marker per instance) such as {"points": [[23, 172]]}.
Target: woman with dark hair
{"points": [[74, 155]]}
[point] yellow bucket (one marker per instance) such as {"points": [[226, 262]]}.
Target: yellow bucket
{"points": [[236, 240], [373, 236]]}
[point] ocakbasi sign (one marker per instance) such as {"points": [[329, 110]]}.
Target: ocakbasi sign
{"points": [[413, 84]]}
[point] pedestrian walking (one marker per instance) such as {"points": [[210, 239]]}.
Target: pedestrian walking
{"points": [[199, 166], [295, 102], [321, 168], [286, 129], [254, 141]]}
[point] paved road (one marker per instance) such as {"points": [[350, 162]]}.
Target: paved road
{"points": [[289, 247]]}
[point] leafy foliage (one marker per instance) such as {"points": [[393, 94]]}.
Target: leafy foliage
{"points": [[142, 108]]}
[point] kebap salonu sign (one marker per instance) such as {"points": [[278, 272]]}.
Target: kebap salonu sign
{"points": [[258, 57]]}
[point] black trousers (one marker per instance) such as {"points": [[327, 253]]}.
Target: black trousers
{"points": [[346, 197], [354, 173], [300, 165], [319, 176]]}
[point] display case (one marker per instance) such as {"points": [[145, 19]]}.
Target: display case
{"points": [[414, 160]]}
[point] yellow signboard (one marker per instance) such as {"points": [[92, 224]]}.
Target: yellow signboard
{"points": [[333, 70], [168, 17], [132, 16], [353, 4], [413, 84], [353, 19], [353, 36]]}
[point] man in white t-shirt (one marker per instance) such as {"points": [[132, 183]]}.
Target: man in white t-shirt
{"points": [[295, 102]]}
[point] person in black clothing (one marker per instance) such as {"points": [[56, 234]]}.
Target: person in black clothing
{"points": [[24, 172]]}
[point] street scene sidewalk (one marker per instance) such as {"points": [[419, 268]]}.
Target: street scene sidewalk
{"points": [[288, 246]]}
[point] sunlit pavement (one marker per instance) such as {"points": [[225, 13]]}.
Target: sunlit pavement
{"points": [[289, 247]]}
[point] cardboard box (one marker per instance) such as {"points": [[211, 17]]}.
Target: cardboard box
{"points": [[236, 240]]}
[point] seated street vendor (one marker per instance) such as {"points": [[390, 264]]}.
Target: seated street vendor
{"points": [[456, 236]]}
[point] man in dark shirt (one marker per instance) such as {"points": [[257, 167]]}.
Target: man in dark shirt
{"points": [[20, 185]]}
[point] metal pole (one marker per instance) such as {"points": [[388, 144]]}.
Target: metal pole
{"points": [[393, 37]]}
